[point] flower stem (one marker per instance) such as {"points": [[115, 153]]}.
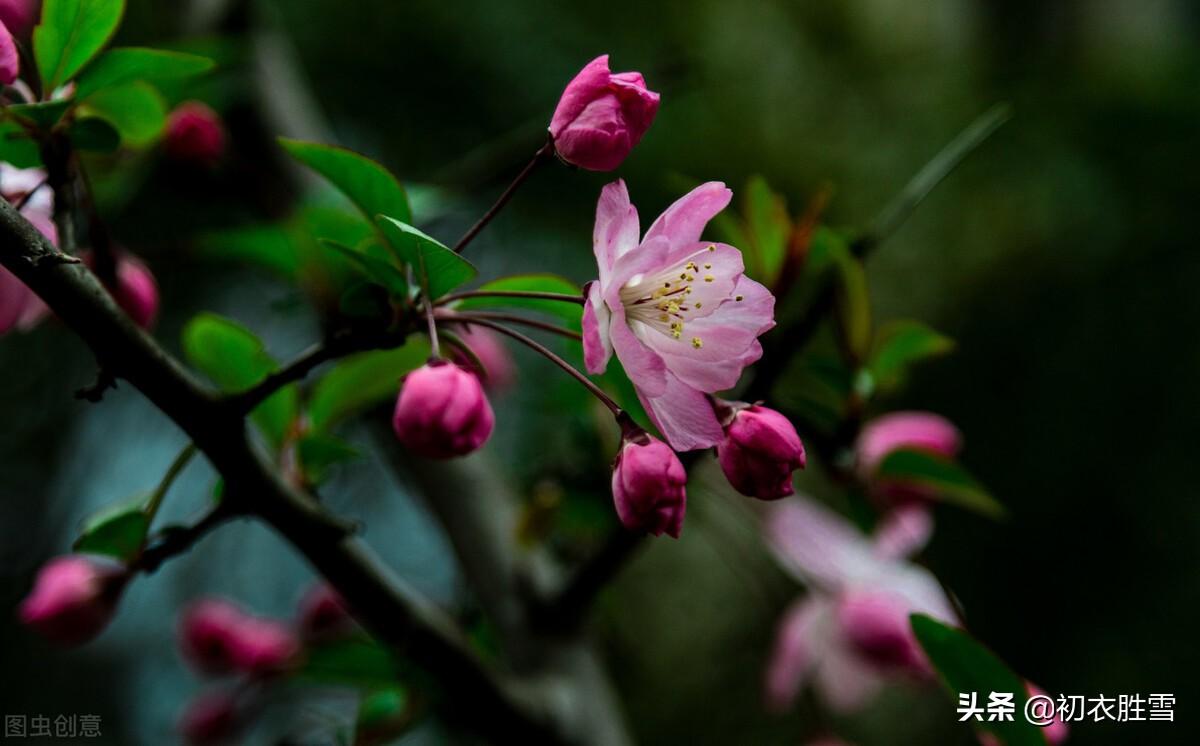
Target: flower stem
{"points": [[532, 294], [173, 471], [570, 369], [435, 349], [541, 156], [514, 319]]}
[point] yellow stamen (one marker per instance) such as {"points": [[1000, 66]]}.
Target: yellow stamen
{"points": [[708, 278], [697, 342]]}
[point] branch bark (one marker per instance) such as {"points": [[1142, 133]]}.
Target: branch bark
{"points": [[499, 706]]}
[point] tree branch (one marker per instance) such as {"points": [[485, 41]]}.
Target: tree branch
{"points": [[499, 707]]}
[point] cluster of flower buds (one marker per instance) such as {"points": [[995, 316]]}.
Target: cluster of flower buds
{"points": [[74, 598], [218, 638]]}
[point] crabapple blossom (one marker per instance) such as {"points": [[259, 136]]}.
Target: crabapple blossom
{"points": [[499, 372], [217, 637], [760, 451], [73, 598], [442, 412], [649, 486], [601, 116], [136, 292], [677, 311], [883, 435], [195, 134], [20, 307], [851, 633]]}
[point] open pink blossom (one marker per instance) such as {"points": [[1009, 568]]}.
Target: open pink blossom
{"points": [[680, 315], [601, 116], [851, 633]]}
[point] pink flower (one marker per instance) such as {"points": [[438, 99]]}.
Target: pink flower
{"points": [[678, 312], [217, 637], [649, 486], [10, 59], [195, 134], [760, 451], [211, 717], [499, 372], [323, 614], [19, 15], [73, 598], [851, 633], [891, 432], [136, 292], [601, 116], [20, 307], [442, 412]]}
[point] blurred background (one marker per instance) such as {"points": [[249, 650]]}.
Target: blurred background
{"points": [[1061, 257]]}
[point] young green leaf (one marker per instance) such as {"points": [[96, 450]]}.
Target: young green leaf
{"points": [[370, 186], [136, 110], [375, 267], [320, 452], [362, 381], [354, 662], [267, 246], [770, 227], [17, 147], [128, 64], [444, 268], [938, 476], [235, 359], [94, 134], [541, 283], [898, 345], [967, 667], [41, 114], [70, 35], [117, 531]]}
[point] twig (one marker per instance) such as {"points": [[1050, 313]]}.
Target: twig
{"points": [[533, 294], [514, 319], [95, 391], [541, 156], [173, 471], [175, 540]]}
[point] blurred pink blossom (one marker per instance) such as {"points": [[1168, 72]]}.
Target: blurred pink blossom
{"points": [[499, 371], [217, 637], [195, 134], [73, 598]]}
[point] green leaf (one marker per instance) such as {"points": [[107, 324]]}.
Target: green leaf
{"points": [[319, 452], [375, 267], [118, 531], [235, 359], [129, 64], [540, 283], [356, 662], [137, 111], [967, 667], [770, 228], [931, 472], [383, 708], [853, 302], [370, 186], [17, 147], [267, 246], [898, 345], [362, 381], [70, 35], [42, 114], [427, 256], [94, 134]]}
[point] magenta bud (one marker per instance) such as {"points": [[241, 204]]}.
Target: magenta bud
{"points": [[323, 614], [442, 412], [891, 432], [877, 628], [265, 646], [210, 718], [649, 486], [760, 451], [18, 16], [10, 59], [137, 291], [499, 372], [195, 134], [73, 598], [602, 116], [217, 637]]}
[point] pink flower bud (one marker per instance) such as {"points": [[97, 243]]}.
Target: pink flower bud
{"points": [[211, 717], [601, 116], [219, 638], [499, 372], [195, 134], [891, 432], [323, 614], [136, 292], [759, 453], [442, 412], [649, 486], [1057, 731], [19, 15], [10, 59], [73, 598], [877, 628]]}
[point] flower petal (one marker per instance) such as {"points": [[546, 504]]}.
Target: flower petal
{"points": [[582, 89], [795, 652], [684, 221], [904, 532], [597, 346], [820, 546], [616, 231], [644, 367], [844, 682], [683, 415]]}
